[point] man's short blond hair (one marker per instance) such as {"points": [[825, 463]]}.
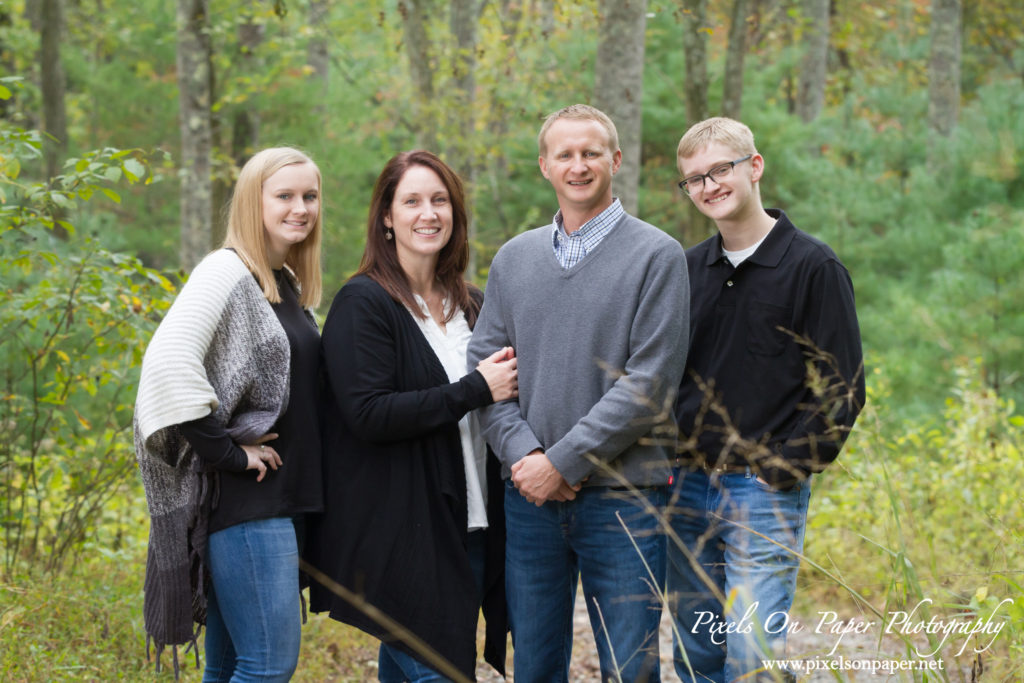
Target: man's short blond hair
{"points": [[720, 129], [579, 112]]}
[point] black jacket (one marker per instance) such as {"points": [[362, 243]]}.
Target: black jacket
{"points": [[394, 526]]}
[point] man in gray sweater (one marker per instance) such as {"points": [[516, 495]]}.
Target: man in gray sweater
{"points": [[596, 306]]}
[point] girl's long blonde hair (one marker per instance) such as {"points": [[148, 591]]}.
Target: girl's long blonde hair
{"points": [[247, 236]]}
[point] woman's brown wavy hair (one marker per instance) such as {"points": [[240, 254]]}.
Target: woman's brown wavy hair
{"points": [[380, 258]]}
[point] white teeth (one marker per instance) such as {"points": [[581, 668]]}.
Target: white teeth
{"points": [[717, 199], [579, 182], [427, 231]]}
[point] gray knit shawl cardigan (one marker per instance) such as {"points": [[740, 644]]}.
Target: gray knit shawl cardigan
{"points": [[220, 348]]}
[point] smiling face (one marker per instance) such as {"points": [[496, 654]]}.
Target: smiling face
{"points": [[734, 198], [420, 215], [579, 163], [290, 204]]}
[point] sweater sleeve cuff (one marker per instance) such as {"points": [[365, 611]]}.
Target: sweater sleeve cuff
{"points": [[214, 445], [519, 445], [572, 467]]}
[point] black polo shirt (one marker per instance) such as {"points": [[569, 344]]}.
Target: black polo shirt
{"points": [[774, 375]]}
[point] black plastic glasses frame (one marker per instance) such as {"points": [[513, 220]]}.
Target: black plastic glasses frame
{"points": [[714, 174]]}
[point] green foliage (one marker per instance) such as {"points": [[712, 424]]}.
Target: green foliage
{"points": [[76, 318], [927, 510], [81, 626], [86, 625]]}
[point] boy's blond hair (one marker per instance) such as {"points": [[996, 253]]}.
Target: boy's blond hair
{"points": [[720, 129]]}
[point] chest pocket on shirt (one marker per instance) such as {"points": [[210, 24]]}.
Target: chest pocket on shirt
{"points": [[764, 336]]}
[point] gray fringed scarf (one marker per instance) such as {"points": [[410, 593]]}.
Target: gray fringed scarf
{"points": [[221, 349]]}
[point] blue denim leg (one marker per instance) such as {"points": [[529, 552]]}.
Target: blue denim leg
{"points": [[549, 548], [540, 586], [219, 651], [395, 666], [254, 567], [754, 573], [761, 574], [617, 580], [696, 575]]}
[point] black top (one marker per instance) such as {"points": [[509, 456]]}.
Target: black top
{"points": [[214, 445], [394, 529], [295, 487], [754, 330]]}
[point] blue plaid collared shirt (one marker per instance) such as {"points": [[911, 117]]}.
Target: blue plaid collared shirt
{"points": [[570, 249]]}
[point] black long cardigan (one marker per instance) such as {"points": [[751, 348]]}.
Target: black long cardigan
{"points": [[394, 526]]}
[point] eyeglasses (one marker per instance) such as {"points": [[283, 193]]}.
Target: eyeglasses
{"points": [[695, 183]]}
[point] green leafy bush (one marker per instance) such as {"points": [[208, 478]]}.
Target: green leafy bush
{"points": [[929, 509], [76, 319]]}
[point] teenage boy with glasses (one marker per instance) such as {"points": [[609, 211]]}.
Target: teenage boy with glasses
{"points": [[773, 384]]}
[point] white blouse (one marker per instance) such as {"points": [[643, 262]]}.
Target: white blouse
{"points": [[450, 347]]}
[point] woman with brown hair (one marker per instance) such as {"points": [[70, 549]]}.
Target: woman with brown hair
{"points": [[409, 524]]}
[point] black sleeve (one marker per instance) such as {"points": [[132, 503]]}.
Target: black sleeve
{"points": [[360, 350], [837, 396], [213, 445]]}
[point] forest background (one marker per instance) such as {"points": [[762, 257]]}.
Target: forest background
{"points": [[892, 130]]}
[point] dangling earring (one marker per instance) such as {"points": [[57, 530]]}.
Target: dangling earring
{"points": [[388, 235]]}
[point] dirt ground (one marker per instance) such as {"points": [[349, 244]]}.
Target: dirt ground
{"points": [[858, 649]]}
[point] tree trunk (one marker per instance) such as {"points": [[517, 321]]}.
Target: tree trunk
{"points": [[32, 14], [462, 86], [318, 55], [695, 46], [421, 68], [495, 167], [245, 129], [55, 145], [510, 13], [695, 49], [810, 94], [464, 18], [944, 67], [618, 87], [732, 94], [195, 97], [546, 10]]}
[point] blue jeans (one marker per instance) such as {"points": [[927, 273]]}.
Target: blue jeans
{"points": [[721, 560], [549, 548], [395, 666], [253, 614]]}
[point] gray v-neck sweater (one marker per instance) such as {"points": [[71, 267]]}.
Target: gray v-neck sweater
{"points": [[601, 349]]}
